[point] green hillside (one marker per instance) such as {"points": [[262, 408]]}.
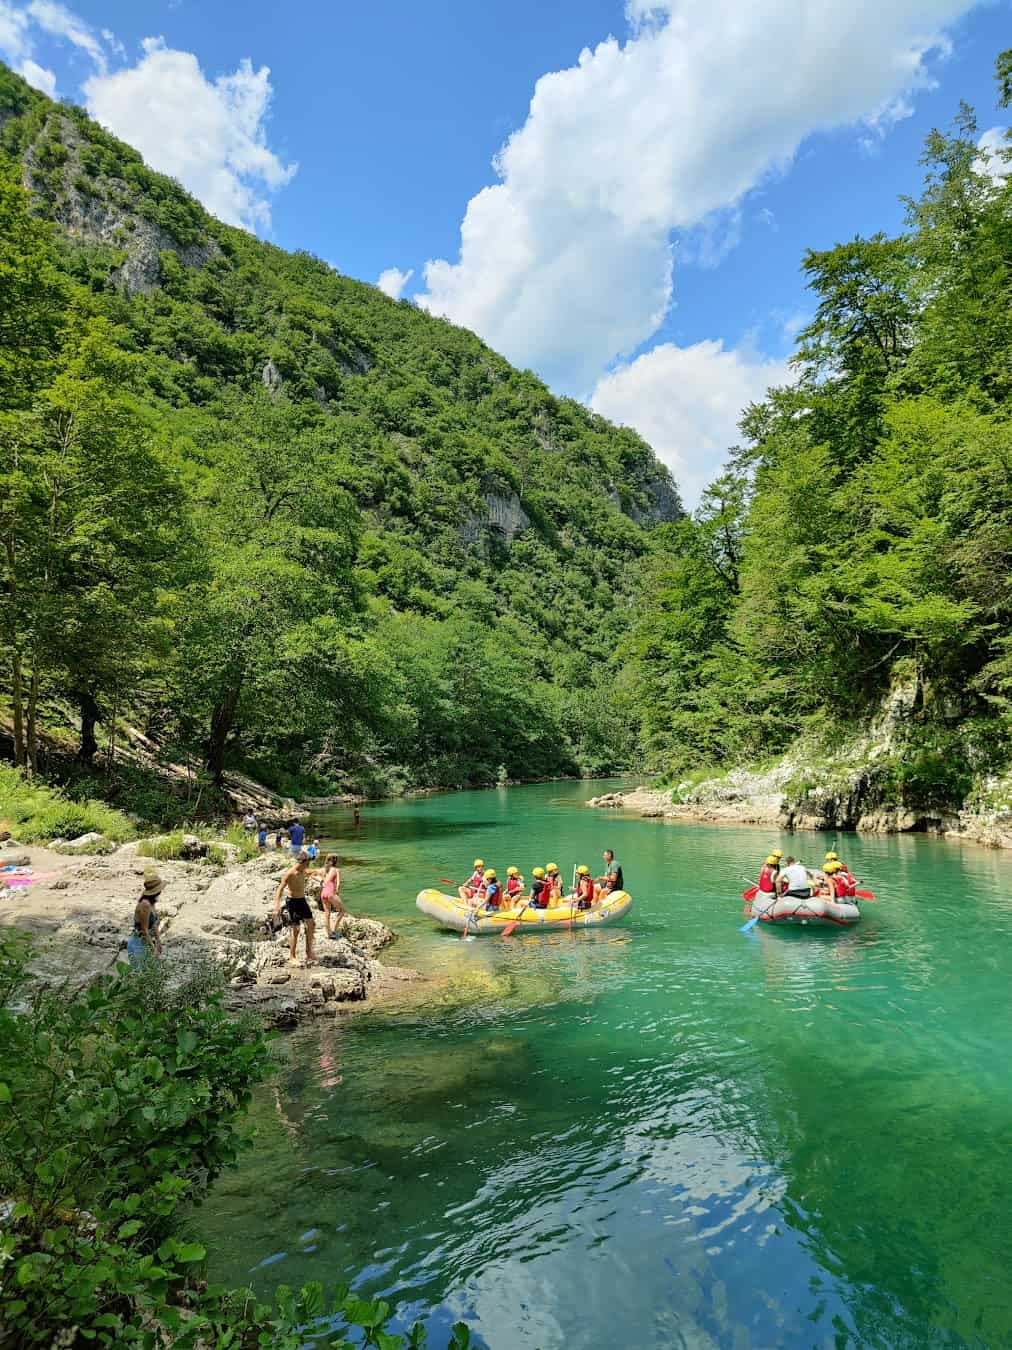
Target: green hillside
{"points": [[851, 572], [277, 520]]}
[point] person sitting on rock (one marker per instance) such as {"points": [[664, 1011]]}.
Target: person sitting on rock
{"points": [[294, 882]]}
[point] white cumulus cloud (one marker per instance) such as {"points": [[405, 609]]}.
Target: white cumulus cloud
{"points": [[211, 136], [686, 403], [58, 21], [565, 261], [993, 146], [392, 281], [38, 77]]}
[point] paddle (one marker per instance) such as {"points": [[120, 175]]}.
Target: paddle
{"points": [[572, 901], [751, 893], [866, 895], [511, 927]]}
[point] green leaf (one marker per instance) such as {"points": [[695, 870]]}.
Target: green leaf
{"points": [[129, 1228], [188, 1252]]}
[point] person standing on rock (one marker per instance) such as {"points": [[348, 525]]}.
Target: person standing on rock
{"points": [[262, 838], [249, 822], [330, 894], [294, 882], [296, 835], [144, 941]]}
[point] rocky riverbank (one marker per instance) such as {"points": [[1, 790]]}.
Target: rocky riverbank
{"points": [[79, 912], [774, 799]]}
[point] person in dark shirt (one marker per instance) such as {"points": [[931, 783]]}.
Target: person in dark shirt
{"points": [[612, 880], [296, 834]]}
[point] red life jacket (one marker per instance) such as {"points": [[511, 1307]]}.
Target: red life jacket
{"points": [[846, 882], [766, 879], [585, 890], [514, 886]]}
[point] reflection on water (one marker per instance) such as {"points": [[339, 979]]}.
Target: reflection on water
{"points": [[668, 1133]]}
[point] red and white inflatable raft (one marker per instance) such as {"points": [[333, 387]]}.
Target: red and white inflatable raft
{"points": [[817, 912]]}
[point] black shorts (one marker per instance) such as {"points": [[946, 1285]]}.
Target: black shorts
{"points": [[298, 909]]}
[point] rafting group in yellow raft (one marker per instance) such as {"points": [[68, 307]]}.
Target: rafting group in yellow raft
{"points": [[485, 903]]}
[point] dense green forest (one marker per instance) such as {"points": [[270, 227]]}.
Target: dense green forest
{"points": [[277, 521], [863, 538]]}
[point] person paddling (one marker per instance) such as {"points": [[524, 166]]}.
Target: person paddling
{"points": [[584, 888], [540, 890], [768, 874], [514, 884], [475, 881], [793, 881], [554, 882], [493, 890]]}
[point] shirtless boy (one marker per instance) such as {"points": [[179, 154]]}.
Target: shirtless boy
{"points": [[294, 882]]}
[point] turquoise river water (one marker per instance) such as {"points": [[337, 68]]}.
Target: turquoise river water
{"points": [[663, 1133]]}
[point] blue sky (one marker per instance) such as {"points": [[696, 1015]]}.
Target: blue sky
{"points": [[640, 245]]}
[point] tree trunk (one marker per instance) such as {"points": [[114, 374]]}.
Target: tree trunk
{"points": [[17, 700], [90, 713], [221, 726], [33, 720]]}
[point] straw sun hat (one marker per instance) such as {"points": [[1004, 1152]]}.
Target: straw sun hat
{"points": [[153, 885]]}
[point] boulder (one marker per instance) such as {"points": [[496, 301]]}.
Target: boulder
{"points": [[92, 842]]}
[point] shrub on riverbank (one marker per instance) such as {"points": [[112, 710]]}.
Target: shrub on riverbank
{"points": [[36, 814], [120, 1104]]}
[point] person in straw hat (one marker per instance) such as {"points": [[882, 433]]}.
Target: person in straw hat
{"points": [[144, 940]]}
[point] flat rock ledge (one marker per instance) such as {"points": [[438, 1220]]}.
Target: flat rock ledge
{"points": [[80, 913], [755, 801]]}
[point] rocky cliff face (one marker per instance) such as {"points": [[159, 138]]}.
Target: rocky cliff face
{"points": [[866, 782]]}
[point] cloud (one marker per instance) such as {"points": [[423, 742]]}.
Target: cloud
{"points": [[209, 136], [687, 401], [38, 77], [994, 146], [565, 261], [393, 280], [56, 20], [15, 46]]}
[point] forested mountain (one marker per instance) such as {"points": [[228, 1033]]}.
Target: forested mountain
{"points": [[277, 520], [861, 548]]}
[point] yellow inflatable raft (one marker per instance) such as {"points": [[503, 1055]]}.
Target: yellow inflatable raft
{"points": [[451, 912]]}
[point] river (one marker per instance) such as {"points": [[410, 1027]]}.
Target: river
{"points": [[663, 1133]]}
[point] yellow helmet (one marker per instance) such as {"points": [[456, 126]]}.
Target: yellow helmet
{"points": [[490, 874], [771, 860], [832, 867], [479, 862], [831, 857], [583, 871], [512, 871], [552, 867], [778, 854], [539, 872]]}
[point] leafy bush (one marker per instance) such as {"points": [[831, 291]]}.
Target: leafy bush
{"points": [[164, 847], [36, 814], [120, 1104]]}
